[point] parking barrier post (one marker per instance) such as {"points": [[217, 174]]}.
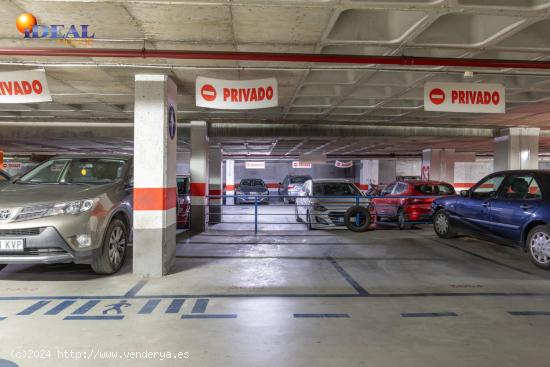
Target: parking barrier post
{"points": [[256, 214]]}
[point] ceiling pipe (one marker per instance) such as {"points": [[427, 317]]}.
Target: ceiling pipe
{"points": [[276, 57]]}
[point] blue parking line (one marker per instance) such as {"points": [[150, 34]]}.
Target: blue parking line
{"points": [[428, 314], [212, 316], [322, 315], [135, 289], [149, 307], [60, 307], [200, 305], [175, 306], [2, 318], [86, 307], [529, 313], [35, 307], [93, 318]]}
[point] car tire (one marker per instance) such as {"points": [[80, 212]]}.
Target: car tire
{"points": [[538, 246], [442, 225], [298, 219], [349, 219], [402, 220], [113, 250]]}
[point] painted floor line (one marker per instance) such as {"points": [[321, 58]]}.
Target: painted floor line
{"points": [[529, 313], [429, 314], [94, 318], [321, 315], [136, 288], [358, 288], [211, 316], [35, 307]]}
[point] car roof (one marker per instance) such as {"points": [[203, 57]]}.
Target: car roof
{"points": [[426, 182], [523, 171], [91, 156], [329, 180]]}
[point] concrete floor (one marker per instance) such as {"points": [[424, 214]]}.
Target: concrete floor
{"points": [[289, 298]]}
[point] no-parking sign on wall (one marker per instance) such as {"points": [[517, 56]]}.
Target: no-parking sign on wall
{"points": [[464, 97]]}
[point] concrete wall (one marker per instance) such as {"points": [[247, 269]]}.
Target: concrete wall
{"points": [[409, 167], [275, 172], [468, 173]]}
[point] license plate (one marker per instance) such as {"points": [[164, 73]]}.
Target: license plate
{"points": [[12, 245]]}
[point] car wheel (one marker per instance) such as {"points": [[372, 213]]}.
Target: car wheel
{"points": [[538, 246], [442, 225], [113, 250], [298, 219], [351, 220], [402, 220]]}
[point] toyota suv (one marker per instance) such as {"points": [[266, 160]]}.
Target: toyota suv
{"points": [[69, 209]]}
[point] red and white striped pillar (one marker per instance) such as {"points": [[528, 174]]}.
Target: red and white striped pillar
{"points": [[155, 143], [230, 180], [215, 186], [199, 168]]}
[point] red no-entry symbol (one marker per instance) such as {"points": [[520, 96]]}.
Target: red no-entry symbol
{"points": [[437, 96], [208, 92]]}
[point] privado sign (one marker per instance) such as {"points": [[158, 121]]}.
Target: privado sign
{"points": [[24, 87], [464, 97], [236, 94]]}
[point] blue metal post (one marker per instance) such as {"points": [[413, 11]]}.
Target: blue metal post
{"points": [[357, 215], [256, 214]]}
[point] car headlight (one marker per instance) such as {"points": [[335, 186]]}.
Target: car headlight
{"points": [[319, 208], [71, 207]]}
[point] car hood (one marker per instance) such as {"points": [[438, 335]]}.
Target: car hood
{"points": [[340, 200], [16, 195], [247, 189]]}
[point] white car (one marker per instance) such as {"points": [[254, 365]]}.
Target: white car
{"points": [[322, 203]]}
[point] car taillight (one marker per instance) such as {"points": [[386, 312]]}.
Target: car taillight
{"points": [[290, 187]]}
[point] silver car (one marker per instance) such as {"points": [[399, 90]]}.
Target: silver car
{"points": [[322, 203], [69, 209]]}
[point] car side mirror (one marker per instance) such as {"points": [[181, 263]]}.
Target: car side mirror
{"points": [[465, 193], [130, 183]]}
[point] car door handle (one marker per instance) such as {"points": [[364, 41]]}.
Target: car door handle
{"points": [[525, 207], [485, 204]]}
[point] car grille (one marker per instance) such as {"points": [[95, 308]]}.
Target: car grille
{"points": [[335, 217], [20, 232]]}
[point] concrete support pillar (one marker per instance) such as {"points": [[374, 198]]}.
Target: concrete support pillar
{"points": [[377, 172], [517, 148], [215, 185], [155, 143], [438, 165], [230, 180], [199, 175]]}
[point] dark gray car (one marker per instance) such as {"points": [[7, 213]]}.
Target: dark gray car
{"points": [[69, 209], [250, 190]]}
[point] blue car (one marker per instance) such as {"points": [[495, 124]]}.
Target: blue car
{"points": [[510, 207]]}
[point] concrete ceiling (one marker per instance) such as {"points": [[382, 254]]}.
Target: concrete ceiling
{"points": [[101, 89]]}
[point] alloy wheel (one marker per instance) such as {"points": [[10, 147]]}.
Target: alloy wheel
{"points": [[540, 247], [117, 246], [441, 223]]}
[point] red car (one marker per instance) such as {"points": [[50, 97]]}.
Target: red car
{"points": [[393, 207], [184, 201]]}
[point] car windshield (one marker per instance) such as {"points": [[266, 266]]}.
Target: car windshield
{"points": [[252, 182], [92, 171], [435, 189], [299, 179], [335, 189], [183, 185]]}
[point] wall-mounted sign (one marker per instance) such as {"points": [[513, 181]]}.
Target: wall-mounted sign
{"points": [[298, 164], [12, 165], [255, 165], [343, 164], [172, 122], [28, 86], [236, 94], [464, 97]]}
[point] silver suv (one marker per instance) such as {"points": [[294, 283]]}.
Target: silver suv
{"points": [[69, 209]]}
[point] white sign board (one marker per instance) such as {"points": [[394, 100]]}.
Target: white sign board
{"points": [[27, 86], [343, 164], [236, 94], [12, 165], [254, 165], [464, 97], [298, 164]]}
